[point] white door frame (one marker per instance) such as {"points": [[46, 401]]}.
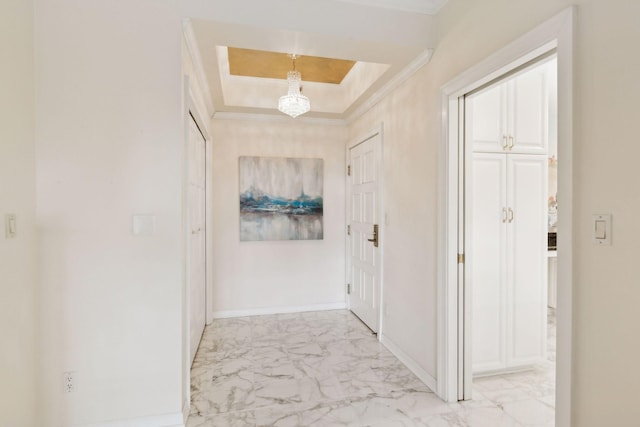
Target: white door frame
{"points": [[378, 130], [556, 33]]}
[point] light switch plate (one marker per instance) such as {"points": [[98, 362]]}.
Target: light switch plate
{"points": [[143, 225], [601, 229], [10, 226]]}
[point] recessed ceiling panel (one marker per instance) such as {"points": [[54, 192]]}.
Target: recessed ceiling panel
{"points": [[274, 65]]}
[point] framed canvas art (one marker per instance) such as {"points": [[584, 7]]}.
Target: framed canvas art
{"points": [[281, 198]]}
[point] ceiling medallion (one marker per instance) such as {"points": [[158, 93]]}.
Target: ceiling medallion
{"points": [[294, 103]]}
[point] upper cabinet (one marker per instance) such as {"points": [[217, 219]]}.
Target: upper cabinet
{"points": [[511, 116]]}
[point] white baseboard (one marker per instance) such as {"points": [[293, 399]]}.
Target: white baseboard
{"points": [[167, 420], [409, 363], [222, 314]]}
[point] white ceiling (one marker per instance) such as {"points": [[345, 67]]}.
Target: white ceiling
{"points": [[390, 41], [429, 7]]}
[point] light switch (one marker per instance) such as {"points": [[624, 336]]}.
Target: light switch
{"points": [[602, 229], [10, 226]]}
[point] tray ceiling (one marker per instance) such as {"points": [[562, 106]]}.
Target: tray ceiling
{"points": [[275, 65], [351, 54]]}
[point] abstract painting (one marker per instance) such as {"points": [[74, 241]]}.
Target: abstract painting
{"points": [[281, 198]]}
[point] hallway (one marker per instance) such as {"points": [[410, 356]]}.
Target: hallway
{"points": [[315, 369]]}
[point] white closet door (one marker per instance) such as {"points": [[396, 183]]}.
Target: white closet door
{"points": [[527, 256], [197, 243], [528, 107], [485, 119], [486, 261]]}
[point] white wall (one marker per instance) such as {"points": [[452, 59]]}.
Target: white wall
{"points": [[410, 191], [109, 145], [18, 315], [274, 275], [606, 294]]}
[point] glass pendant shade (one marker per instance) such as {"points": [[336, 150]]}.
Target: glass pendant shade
{"points": [[294, 102]]}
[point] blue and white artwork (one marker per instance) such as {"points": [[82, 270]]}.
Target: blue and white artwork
{"points": [[281, 198]]}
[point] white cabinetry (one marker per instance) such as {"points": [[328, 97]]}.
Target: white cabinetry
{"points": [[511, 116], [506, 263]]}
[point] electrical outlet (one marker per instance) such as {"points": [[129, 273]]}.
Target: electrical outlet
{"points": [[69, 382]]}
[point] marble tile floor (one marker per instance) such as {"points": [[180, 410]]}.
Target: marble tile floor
{"points": [[327, 369]]}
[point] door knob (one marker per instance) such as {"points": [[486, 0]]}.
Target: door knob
{"points": [[375, 236]]}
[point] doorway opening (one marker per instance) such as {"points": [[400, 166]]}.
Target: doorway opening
{"points": [[454, 311], [509, 209]]}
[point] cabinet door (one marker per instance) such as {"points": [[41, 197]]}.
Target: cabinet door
{"points": [[485, 118], [528, 112], [527, 259], [485, 274]]}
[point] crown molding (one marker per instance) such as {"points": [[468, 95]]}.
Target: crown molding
{"points": [[391, 85], [277, 118], [194, 52]]}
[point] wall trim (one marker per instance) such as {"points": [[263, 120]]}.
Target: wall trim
{"points": [[391, 85], [228, 115], [167, 420], [223, 314], [413, 366], [194, 52], [185, 411]]}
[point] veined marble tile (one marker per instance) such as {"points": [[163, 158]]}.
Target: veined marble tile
{"points": [[231, 394], [405, 406], [473, 417], [311, 414], [531, 412], [229, 419], [284, 391], [327, 369]]}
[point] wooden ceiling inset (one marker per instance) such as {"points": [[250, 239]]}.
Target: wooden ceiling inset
{"points": [[274, 65]]}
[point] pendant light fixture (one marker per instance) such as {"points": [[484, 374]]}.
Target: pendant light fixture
{"points": [[294, 102]]}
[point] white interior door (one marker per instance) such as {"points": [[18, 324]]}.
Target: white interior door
{"points": [[527, 255], [197, 243], [529, 111], [486, 119], [486, 266], [363, 220]]}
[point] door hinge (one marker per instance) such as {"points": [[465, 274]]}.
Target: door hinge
{"points": [[349, 170], [460, 258], [348, 230], [348, 288]]}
